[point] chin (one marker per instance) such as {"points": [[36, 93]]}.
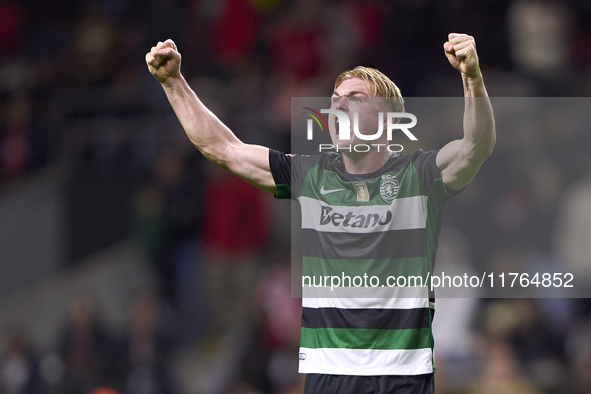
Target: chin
{"points": [[341, 144]]}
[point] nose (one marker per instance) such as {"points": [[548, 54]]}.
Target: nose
{"points": [[341, 105]]}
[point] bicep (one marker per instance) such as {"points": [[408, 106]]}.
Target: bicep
{"points": [[251, 163], [457, 165]]}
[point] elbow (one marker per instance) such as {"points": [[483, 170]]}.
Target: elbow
{"points": [[216, 158], [221, 156]]}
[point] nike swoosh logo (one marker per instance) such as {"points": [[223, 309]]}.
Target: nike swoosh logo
{"points": [[322, 191]]}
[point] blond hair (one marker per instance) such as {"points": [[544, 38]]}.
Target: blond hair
{"points": [[382, 85]]}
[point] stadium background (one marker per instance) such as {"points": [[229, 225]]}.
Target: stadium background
{"points": [[128, 261]]}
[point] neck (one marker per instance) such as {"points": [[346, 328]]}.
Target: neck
{"points": [[365, 163]]}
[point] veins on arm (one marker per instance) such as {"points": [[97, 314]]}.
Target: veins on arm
{"points": [[460, 160]]}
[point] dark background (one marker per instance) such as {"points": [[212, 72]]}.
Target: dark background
{"points": [[129, 262]]}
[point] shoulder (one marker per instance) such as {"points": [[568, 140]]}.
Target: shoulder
{"points": [[422, 158], [398, 161], [421, 154], [327, 160], [330, 159]]}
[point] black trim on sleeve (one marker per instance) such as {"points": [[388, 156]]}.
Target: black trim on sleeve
{"points": [[426, 165], [280, 165]]}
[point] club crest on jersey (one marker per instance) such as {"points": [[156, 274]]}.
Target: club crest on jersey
{"points": [[389, 187], [362, 190]]}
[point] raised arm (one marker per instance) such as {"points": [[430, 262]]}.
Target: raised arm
{"points": [[213, 138], [460, 160]]}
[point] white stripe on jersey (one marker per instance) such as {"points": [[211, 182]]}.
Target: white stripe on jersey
{"points": [[366, 297], [366, 362], [407, 213]]}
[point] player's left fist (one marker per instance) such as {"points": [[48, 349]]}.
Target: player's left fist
{"points": [[460, 50]]}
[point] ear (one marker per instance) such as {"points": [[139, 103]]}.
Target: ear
{"points": [[386, 120]]}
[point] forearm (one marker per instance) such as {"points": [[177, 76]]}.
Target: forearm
{"points": [[203, 128], [460, 160], [479, 124]]}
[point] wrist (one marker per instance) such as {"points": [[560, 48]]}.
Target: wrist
{"points": [[172, 82], [473, 85], [472, 78]]}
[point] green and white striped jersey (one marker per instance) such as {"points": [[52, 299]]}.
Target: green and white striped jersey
{"points": [[382, 224]]}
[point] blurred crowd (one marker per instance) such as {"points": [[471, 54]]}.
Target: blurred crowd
{"points": [[76, 95], [88, 357]]}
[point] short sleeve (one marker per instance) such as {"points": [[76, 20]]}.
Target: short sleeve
{"points": [[426, 166], [289, 172], [280, 164]]}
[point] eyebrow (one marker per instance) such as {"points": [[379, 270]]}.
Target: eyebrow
{"points": [[351, 93]]}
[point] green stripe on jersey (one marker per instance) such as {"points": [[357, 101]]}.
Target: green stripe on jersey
{"points": [[317, 179], [366, 338]]}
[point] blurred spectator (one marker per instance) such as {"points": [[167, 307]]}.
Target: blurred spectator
{"points": [[579, 349], [149, 221], [268, 364], [91, 55], [19, 368], [148, 348], [166, 213], [540, 33], [15, 139], [501, 372], [537, 347], [296, 46], [544, 189], [572, 235], [235, 228], [235, 30], [11, 27], [453, 324], [90, 355]]}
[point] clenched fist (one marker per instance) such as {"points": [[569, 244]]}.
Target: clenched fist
{"points": [[460, 50], [164, 61]]}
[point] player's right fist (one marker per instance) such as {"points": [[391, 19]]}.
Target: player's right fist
{"points": [[164, 61]]}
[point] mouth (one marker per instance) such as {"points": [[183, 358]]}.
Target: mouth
{"points": [[338, 129]]}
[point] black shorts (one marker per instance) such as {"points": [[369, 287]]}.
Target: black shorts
{"points": [[388, 384]]}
